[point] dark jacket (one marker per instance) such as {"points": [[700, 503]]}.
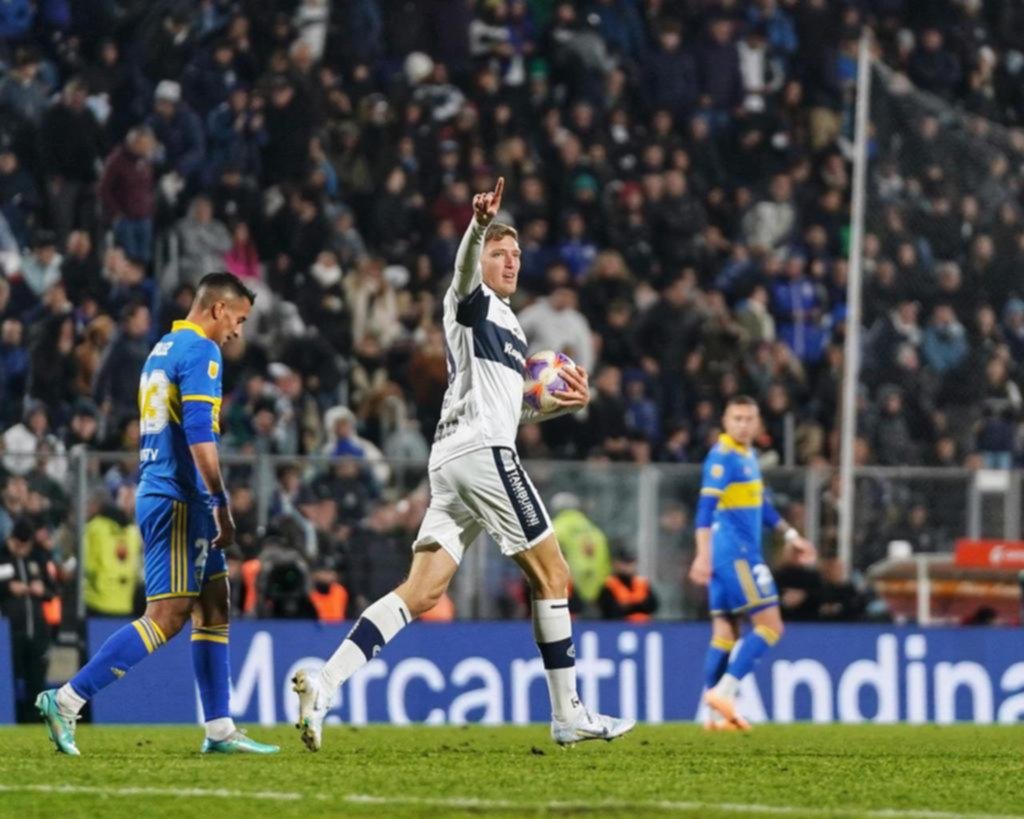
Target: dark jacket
{"points": [[70, 143], [670, 82], [183, 141], [118, 378], [26, 613], [126, 186]]}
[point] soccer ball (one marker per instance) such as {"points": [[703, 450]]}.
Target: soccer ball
{"points": [[543, 380]]}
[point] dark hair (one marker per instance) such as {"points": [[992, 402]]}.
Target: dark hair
{"points": [[740, 401], [214, 286]]}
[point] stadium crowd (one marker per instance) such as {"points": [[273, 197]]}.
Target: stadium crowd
{"points": [[678, 172]]}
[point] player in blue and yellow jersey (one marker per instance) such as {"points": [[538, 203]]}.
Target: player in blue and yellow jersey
{"points": [[183, 514], [731, 515]]}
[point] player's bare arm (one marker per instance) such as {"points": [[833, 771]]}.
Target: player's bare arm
{"points": [[700, 570], [467, 258]]}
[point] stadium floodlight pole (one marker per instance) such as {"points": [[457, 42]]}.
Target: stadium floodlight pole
{"points": [[851, 354]]}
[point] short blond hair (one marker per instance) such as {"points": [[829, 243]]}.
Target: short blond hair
{"points": [[498, 231]]}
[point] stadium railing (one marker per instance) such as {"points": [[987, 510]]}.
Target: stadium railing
{"points": [[646, 508]]}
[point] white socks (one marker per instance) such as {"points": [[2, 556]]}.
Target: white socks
{"points": [[728, 687], [220, 728], [552, 629], [377, 627], [68, 701]]}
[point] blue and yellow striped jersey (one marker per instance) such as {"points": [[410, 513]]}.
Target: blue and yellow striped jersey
{"points": [[732, 477], [184, 366]]}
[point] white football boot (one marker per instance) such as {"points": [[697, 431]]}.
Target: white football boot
{"points": [[313, 707], [589, 726]]}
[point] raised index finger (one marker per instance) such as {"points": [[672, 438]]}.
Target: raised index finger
{"points": [[498, 189]]}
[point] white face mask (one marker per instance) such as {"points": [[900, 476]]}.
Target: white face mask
{"points": [[327, 276]]}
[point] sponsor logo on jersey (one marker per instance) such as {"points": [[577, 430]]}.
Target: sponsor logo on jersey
{"points": [[161, 349], [518, 490], [512, 351], [212, 369]]}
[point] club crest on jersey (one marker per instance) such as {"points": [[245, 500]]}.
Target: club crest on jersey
{"points": [[212, 369]]}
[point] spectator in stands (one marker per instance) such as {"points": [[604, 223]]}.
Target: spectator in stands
{"points": [[127, 192], [51, 363], [41, 269], [80, 270], [934, 69], [83, 431], [203, 242], [179, 133], [944, 345], [670, 79], [71, 144], [771, 222], [117, 382], [920, 531], [22, 91], [893, 442], [19, 195], [554, 323]]}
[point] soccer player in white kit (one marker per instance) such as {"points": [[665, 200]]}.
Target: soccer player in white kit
{"points": [[477, 484]]}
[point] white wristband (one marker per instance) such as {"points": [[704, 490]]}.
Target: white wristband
{"points": [[790, 535]]}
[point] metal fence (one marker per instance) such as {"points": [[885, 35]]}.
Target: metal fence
{"points": [[647, 509]]}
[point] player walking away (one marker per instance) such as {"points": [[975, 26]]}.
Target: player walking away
{"points": [[731, 516], [477, 483], [186, 523]]}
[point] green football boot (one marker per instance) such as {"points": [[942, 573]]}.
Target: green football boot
{"points": [[237, 743], [60, 726]]}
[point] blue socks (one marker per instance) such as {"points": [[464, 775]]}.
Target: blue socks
{"points": [[716, 661], [212, 669], [753, 646], [123, 649]]}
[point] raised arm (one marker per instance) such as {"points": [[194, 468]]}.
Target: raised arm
{"points": [[467, 260]]}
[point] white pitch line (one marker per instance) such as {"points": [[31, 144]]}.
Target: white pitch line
{"points": [[203, 793], [471, 803]]}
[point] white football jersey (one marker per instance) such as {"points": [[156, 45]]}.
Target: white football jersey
{"points": [[486, 351]]}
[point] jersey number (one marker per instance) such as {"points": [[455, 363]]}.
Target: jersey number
{"points": [[154, 402], [763, 579]]}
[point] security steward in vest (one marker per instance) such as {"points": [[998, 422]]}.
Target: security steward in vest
{"points": [[625, 595], [28, 581]]}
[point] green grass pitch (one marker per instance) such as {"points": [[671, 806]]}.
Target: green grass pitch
{"points": [[891, 772]]}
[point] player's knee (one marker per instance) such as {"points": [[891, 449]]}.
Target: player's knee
{"points": [[170, 618], [771, 633]]}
